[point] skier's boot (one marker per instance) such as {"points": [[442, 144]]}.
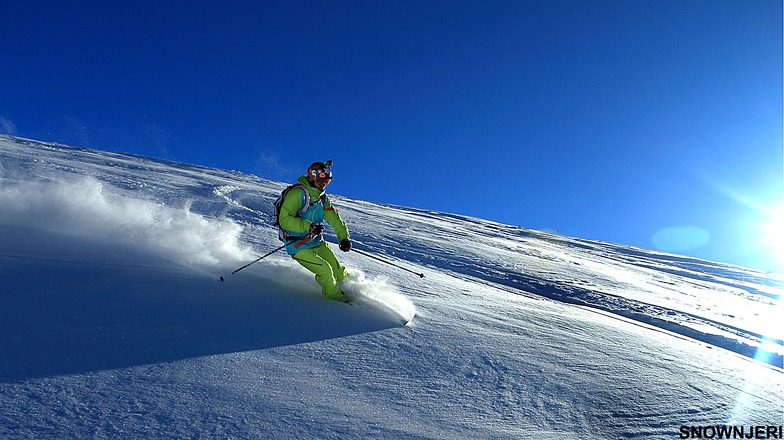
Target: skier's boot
{"points": [[337, 296]]}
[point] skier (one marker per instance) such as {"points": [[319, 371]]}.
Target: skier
{"points": [[301, 228]]}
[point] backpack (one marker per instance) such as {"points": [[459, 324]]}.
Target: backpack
{"points": [[283, 234]]}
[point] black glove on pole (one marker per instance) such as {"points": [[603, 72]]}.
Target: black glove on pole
{"points": [[315, 229]]}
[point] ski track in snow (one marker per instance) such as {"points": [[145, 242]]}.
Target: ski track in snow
{"points": [[115, 325]]}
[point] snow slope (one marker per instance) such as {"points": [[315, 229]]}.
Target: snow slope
{"points": [[114, 323]]}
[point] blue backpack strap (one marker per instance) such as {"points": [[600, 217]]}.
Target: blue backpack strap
{"points": [[305, 198]]}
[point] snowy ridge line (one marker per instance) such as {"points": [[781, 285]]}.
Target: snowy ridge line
{"points": [[689, 268], [123, 165]]}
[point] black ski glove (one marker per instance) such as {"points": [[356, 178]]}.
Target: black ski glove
{"points": [[315, 229], [345, 245]]}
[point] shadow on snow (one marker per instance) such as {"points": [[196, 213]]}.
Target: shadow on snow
{"points": [[68, 306]]}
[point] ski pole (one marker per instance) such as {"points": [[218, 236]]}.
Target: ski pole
{"points": [[256, 260], [421, 275]]}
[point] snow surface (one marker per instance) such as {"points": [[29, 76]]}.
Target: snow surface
{"points": [[114, 323]]}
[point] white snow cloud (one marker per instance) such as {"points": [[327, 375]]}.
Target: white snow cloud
{"points": [[92, 209]]}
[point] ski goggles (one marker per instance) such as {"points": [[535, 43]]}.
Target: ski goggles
{"points": [[323, 175]]}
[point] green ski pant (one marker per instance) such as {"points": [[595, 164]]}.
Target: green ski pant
{"points": [[322, 261]]}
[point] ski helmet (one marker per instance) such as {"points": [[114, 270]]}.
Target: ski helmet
{"points": [[320, 173]]}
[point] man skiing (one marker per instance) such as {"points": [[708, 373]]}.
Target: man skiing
{"points": [[304, 206]]}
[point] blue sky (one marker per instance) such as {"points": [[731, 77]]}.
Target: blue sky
{"points": [[652, 123]]}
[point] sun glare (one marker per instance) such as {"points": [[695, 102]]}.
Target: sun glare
{"points": [[765, 223]]}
